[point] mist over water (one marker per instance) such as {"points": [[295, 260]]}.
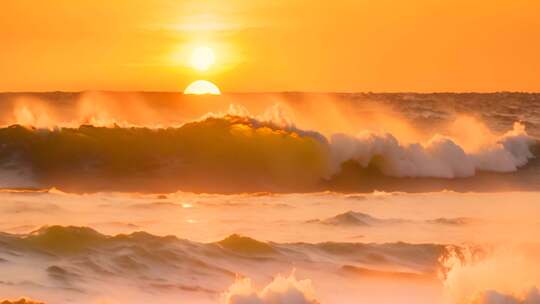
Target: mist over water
{"points": [[269, 198], [91, 142], [317, 248]]}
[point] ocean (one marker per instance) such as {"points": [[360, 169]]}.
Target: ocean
{"points": [[268, 198]]}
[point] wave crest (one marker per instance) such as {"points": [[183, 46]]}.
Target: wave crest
{"points": [[282, 290], [231, 153], [440, 157], [246, 245]]}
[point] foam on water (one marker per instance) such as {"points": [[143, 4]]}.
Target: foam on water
{"points": [[418, 245]]}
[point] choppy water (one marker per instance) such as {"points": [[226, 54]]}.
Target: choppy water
{"points": [[270, 198], [185, 247]]}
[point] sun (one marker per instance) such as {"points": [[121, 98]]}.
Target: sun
{"points": [[202, 58], [201, 87]]}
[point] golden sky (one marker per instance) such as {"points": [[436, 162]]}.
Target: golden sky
{"points": [[299, 45]]}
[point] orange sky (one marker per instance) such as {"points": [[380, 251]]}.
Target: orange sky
{"points": [[302, 45]]}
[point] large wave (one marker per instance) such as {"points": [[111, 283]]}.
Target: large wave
{"points": [[213, 154], [235, 153], [92, 145]]}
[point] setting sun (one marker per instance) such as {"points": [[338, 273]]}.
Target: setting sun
{"points": [[202, 58], [270, 152], [201, 87]]}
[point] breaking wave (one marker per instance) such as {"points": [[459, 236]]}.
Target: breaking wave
{"points": [[90, 142], [235, 153], [498, 275], [282, 290], [439, 157], [494, 297]]}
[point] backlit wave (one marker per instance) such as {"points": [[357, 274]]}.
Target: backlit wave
{"points": [[232, 153]]}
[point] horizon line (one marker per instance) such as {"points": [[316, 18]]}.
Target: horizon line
{"points": [[277, 92]]}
